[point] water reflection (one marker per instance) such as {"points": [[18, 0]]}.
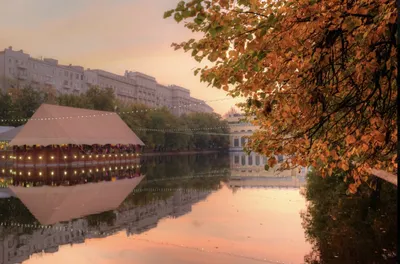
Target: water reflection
{"points": [[38, 214], [360, 228], [190, 209]]}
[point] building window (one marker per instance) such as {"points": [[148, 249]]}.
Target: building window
{"points": [[77, 76], [236, 142], [243, 141], [243, 160], [257, 160], [280, 158], [81, 77], [250, 160]]}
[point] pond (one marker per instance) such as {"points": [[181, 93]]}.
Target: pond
{"points": [[205, 208]]}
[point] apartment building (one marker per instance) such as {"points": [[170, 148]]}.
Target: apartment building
{"points": [[19, 69]]}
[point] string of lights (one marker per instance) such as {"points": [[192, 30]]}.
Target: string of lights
{"points": [[100, 114], [75, 172]]}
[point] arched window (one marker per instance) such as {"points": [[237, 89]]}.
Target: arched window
{"points": [[243, 160], [250, 160], [243, 141]]}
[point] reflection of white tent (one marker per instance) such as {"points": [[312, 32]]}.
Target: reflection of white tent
{"points": [[51, 205]]}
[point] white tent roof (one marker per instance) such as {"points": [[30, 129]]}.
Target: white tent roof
{"points": [[57, 125]]}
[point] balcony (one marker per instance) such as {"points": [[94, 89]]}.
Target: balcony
{"points": [[49, 82], [22, 76], [67, 85], [21, 65]]}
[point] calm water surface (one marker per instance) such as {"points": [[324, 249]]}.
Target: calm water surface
{"points": [[182, 209]]}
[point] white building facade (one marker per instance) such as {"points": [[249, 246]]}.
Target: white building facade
{"points": [[18, 69]]}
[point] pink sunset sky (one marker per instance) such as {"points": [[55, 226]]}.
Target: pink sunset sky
{"points": [[113, 35]]}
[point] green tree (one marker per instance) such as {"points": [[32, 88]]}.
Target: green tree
{"points": [[101, 99]]}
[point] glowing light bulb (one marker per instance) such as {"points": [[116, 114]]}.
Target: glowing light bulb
{"points": [[40, 157]]}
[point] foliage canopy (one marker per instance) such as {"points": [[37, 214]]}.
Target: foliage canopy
{"points": [[319, 75]]}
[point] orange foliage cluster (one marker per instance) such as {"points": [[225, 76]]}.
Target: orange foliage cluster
{"points": [[320, 76]]}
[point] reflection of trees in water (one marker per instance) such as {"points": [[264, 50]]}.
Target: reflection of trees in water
{"points": [[165, 174], [360, 228], [104, 217], [163, 167], [12, 210]]}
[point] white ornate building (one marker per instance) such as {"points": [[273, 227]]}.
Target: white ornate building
{"points": [[18, 69], [251, 165], [239, 130]]}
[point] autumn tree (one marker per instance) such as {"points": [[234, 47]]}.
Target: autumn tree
{"points": [[319, 75]]}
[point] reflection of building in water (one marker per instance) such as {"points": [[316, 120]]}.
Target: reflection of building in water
{"points": [[243, 165], [140, 219], [17, 247], [253, 165], [267, 182]]}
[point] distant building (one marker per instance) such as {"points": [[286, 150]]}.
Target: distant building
{"points": [[252, 165], [239, 130], [18, 68]]}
